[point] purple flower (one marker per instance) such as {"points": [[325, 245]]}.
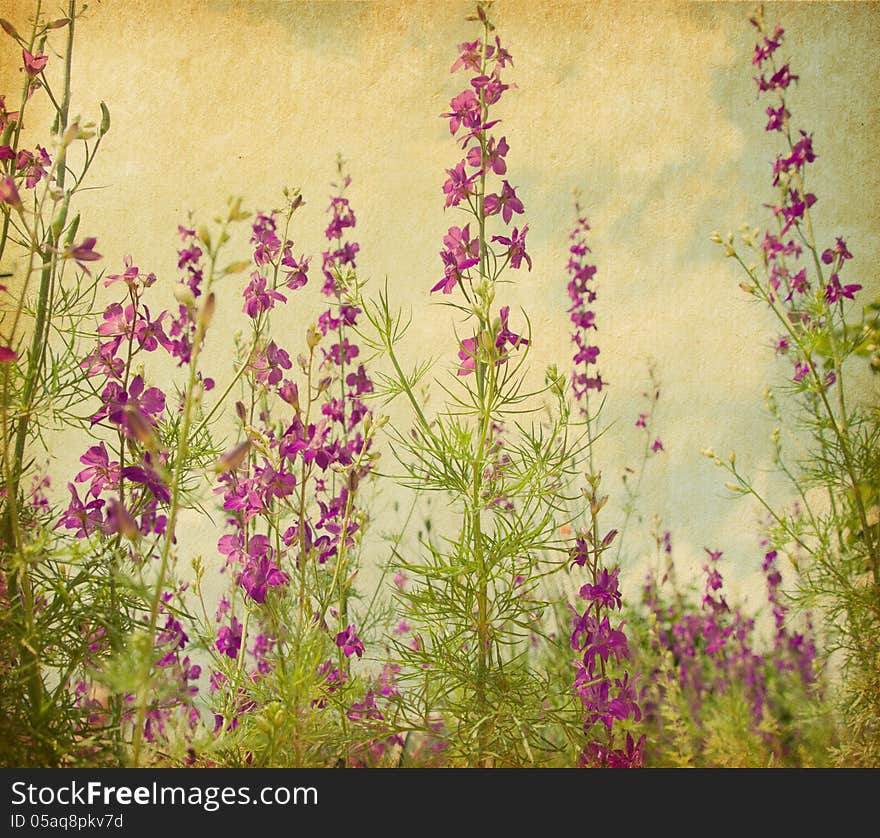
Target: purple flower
{"points": [[9, 192], [263, 235], [582, 295], [349, 642], [260, 574], [297, 274], [148, 477], [131, 276], [839, 251], [34, 166], [491, 88], [516, 247], [100, 471], [580, 553], [505, 337], [229, 639], [468, 355], [471, 57], [83, 252], [459, 186], [258, 298], [606, 642], [507, 203], [34, 64], [361, 711], [494, 160], [776, 118], [84, 518], [359, 381], [606, 591], [464, 110], [834, 291]]}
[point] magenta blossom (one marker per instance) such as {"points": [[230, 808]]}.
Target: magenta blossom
{"points": [[459, 186], [494, 158], [259, 575], [99, 471], [9, 192], [258, 298], [464, 110], [516, 247], [83, 252], [229, 639], [507, 203], [834, 291], [349, 642], [606, 591], [34, 64], [468, 355]]}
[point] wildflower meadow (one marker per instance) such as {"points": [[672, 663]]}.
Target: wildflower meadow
{"points": [[439, 385]]}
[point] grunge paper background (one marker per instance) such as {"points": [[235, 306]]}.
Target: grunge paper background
{"points": [[648, 109]]}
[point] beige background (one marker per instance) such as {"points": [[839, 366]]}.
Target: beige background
{"points": [[649, 109]]}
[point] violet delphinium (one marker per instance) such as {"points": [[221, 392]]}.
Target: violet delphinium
{"points": [[348, 416], [606, 690], [257, 479], [469, 260], [791, 289], [130, 484], [716, 652], [289, 489], [501, 467], [802, 274], [126, 481], [470, 263], [581, 295]]}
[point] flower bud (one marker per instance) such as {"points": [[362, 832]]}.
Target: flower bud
{"points": [[207, 311], [289, 392], [60, 218], [9, 29], [140, 427], [233, 458], [76, 132], [105, 120], [125, 524], [9, 193], [184, 295], [71, 231]]}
